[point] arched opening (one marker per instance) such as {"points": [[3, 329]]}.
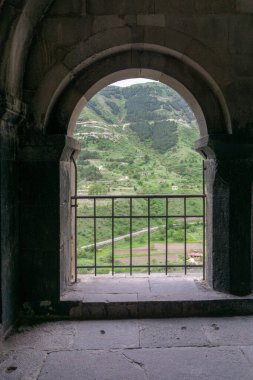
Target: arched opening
{"points": [[149, 74], [190, 81], [151, 220]]}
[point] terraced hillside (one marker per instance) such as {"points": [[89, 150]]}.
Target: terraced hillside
{"points": [[137, 140]]}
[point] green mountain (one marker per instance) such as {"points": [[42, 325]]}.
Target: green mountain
{"points": [[138, 139]]}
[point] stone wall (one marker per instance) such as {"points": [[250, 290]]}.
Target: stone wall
{"points": [[55, 55]]}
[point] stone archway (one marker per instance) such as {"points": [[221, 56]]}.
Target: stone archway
{"points": [[186, 77], [211, 112], [56, 52]]}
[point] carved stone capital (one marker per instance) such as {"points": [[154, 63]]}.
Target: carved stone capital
{"points": [[12, 110]]}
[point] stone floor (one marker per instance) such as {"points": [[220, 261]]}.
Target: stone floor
{"points": [[155, 296], [140, 288], [174, 349]]}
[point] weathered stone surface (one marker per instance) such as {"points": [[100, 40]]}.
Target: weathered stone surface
{"points": [[225, 331], [91, 365], [244, 6], [55, 52], [121, 7], [165, 297], [25, 364], [174, 288], [111, 297], [106, 335], [206, 348], [172, 333], [44, 337], [238, 44], [229, 208], [9, 227], [174, 6], [248, 352], [102, 23], [153, 20], [211, 29], [58, 32], [192, 363], [216, 6], [67, 8]]}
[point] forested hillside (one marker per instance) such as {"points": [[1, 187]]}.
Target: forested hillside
{"points": [[138, 139]]}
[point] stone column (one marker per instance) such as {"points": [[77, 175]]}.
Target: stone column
{"points": [[12, 114], [229, 177], [45, 217]]}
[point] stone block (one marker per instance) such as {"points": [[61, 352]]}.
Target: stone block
{"points": [[174, 6], [43, 337], [240, 40], [66, 30], [119, 7], [98, 364], [216, 6], [212, 30], [97, 43], [224, 331], [41, 269], [60, 7], [192, 363], [25, 364], [102, 23], [106, 298], [46, 89], [172, 333], [40, 231], [248, 352], [151, 20], [94, 335], [244, 6], [242, 65]]}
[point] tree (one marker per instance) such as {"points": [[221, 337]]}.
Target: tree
{"points": [[97, 188], [91, 172]]}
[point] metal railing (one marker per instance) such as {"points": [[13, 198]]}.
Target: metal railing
{"points": [[173, 215]]}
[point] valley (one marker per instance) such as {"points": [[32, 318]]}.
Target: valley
{"points": [[137, 140]]}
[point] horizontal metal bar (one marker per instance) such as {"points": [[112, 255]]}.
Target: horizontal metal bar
{"points": [[149, 198], [138, 266], [138, 216], [137, 196]]}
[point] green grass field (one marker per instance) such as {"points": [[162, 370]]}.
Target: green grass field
{"points": [[194, 239]]}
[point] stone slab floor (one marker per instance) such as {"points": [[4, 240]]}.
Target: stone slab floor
{"points": [[174, 349], [142, 288]]}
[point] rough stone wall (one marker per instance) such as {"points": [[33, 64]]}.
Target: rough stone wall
{"points": [[53, 53], [50, 41]]}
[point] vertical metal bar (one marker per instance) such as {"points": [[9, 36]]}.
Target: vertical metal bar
{"points": [[75, 216], [131, 236], [203, 177], [166, 238], [112, 236], [204, 222], [204, 238], [149, 236], [75, 240], [185, 238], [95, 236]]}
